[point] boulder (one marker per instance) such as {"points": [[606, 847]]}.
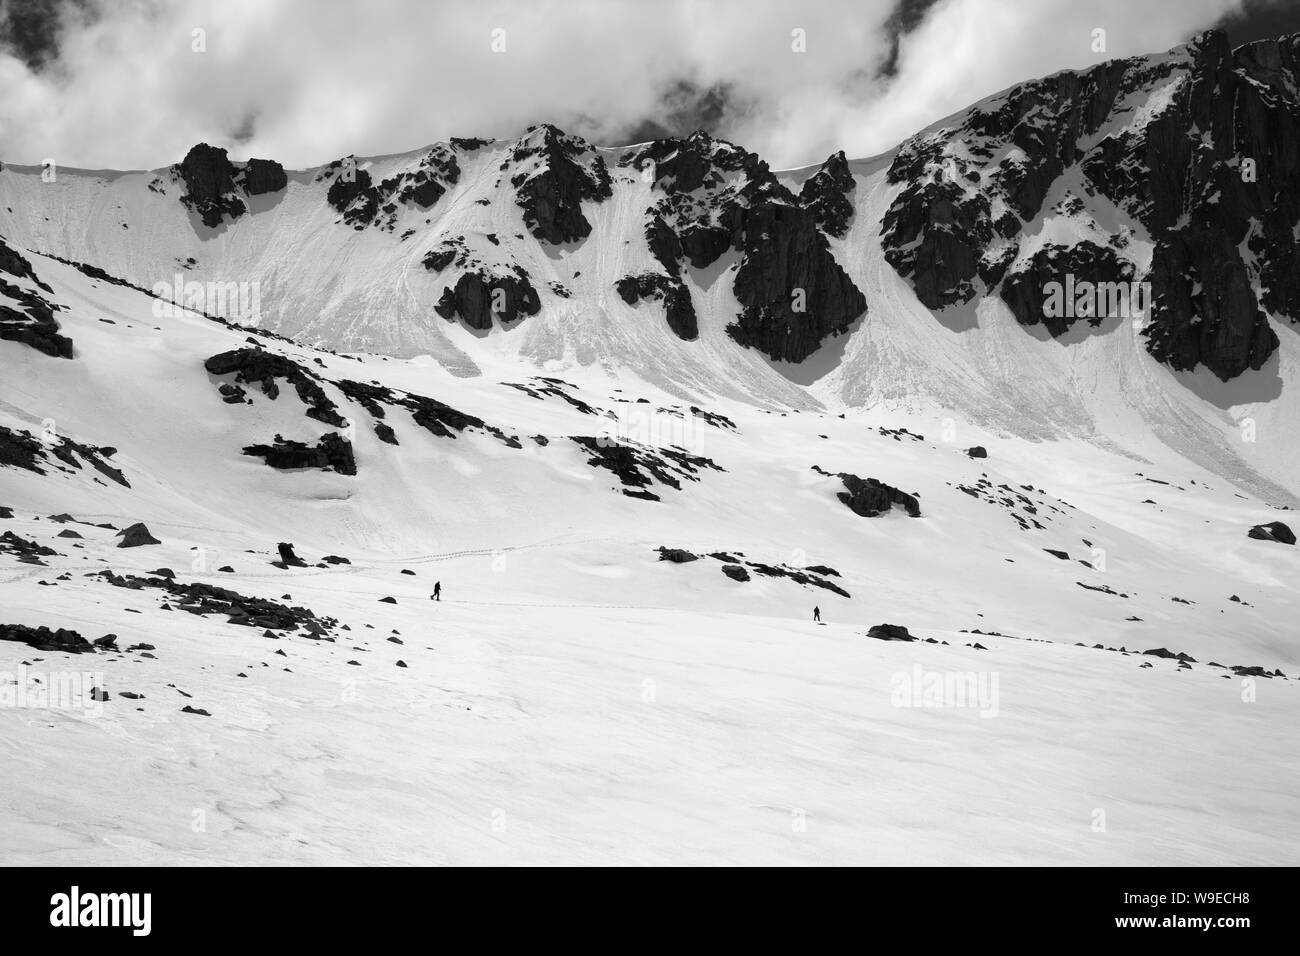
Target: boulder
{"points": [[136, 536], [1273, 531], [288, 558], [890, 632], [677, 555], [735, 572]]}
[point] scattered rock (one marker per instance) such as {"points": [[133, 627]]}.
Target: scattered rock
{"points": [[44, 639]]}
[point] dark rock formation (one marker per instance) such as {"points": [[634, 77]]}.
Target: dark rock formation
{"points": [[331, 452], [28, 317], [826, 195], [136, 536], [478, 296], [1204, 309], [256, 366], [22, 449], [672, 292], [206, 599], [430, 414], [287, 556], [45, 639], [363, 202], [869, 498], [677, 555], [352, 194], [934, 235], [890, 632], [261, 176], [1208, 170], [1273, 531], [555, 172], [735, 572], [542, 386], [639, 467], [1087, 279], [794, 293], [209, 178], [27, 552], [719, 197]]}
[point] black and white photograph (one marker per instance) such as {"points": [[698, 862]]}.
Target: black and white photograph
{"points": [[690, 433]]}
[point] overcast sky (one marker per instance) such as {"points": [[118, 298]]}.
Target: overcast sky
{"points": [[119, 83]]}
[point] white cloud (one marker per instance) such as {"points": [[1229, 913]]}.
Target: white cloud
{"points": [[323, 78]]}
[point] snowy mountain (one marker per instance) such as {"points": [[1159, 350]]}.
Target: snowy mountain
{"points": [[638, 411]]}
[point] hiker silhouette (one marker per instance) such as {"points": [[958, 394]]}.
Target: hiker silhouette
{"points": [[437, 590], [817, 614]]}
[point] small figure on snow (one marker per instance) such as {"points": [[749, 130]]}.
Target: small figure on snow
{"points": [[817, 615], [437, 590]]}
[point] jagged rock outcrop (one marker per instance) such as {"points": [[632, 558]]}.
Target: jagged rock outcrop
{"points": [[27, 552], [552, 174], [26, 316], [22, 449], [209, 178], [256, 366], [1199, 146], [671, 291], [331, 452], [826, 194], [869, 497], [1204, 309], [136, 536], [436, 417], [363, 202], [288, 557], [477, 297], [352, 193], [490, 284], [639, 467], [719, 197], [794, 293], [1089, 279], [206, 599], [213, 182]]}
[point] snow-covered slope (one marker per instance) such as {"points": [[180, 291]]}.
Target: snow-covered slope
{"points": [[579, 694]]}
